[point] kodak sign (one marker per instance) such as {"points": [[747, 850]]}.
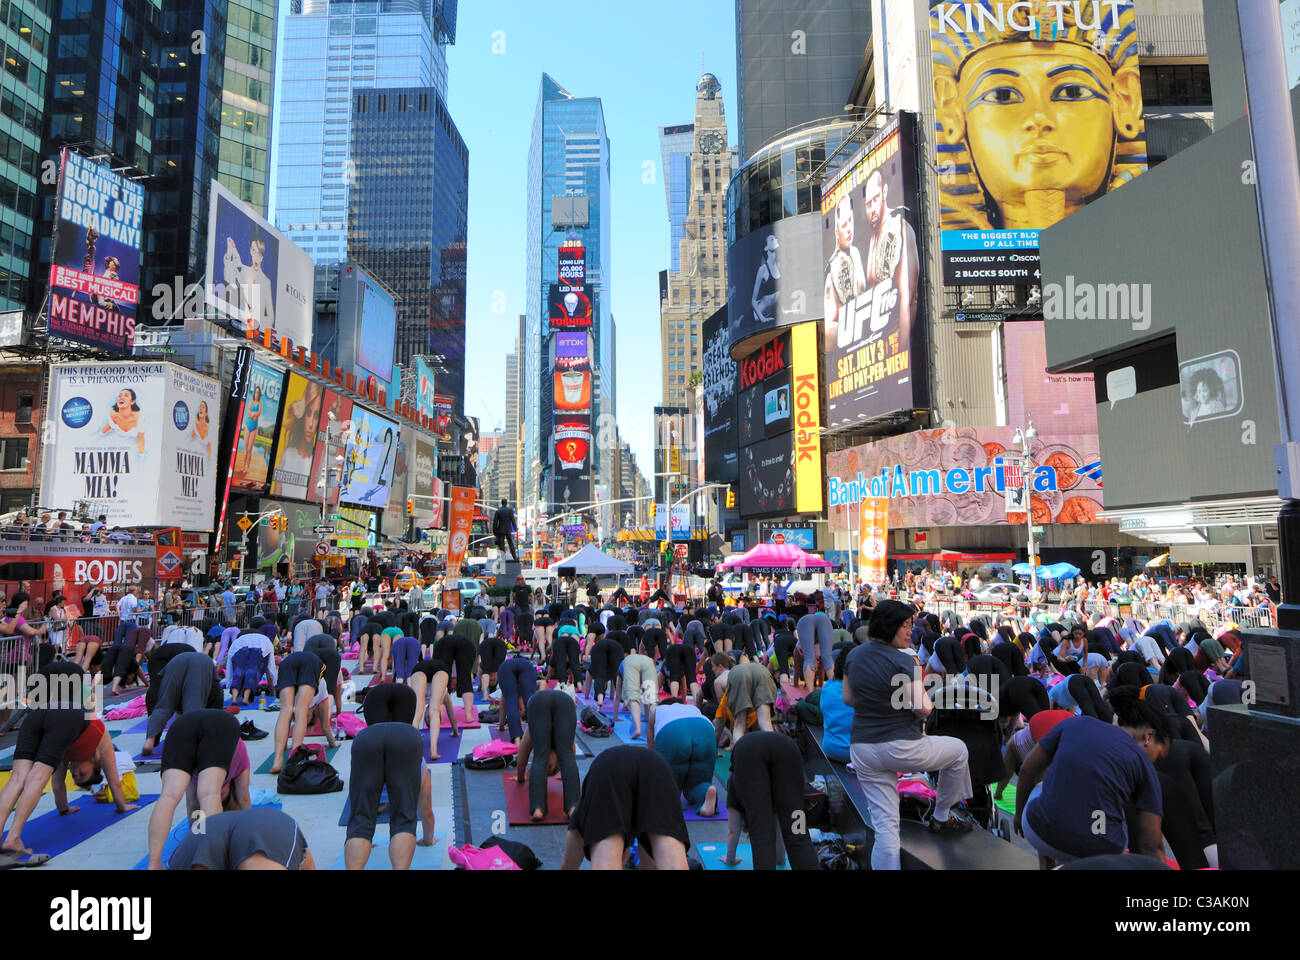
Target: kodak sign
{"points": [[807, 419], [764, 362]]}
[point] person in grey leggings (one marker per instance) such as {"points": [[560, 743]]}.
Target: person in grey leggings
{"points": [[550, 739], [816, 636], [186, 686]]}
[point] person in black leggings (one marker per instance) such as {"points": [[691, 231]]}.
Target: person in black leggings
{"points": [[458, 651], [551, 741], [188, 683], [1084, 692], [623, 638], [680, 665], [784, 643], [297, 685], [491, 654], [606, 655], [428, 684], [764, 792], [655, 643], [327, 648], [199, 747], [566, 656], [629, 793], [1187, 787], [518, 679], [388, 755]]}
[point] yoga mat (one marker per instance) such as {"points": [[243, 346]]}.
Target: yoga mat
{"points": [[177, 835], [265, 768], [6, 774], [448, 746], [346, 813], [688, 812], [460, 718], [1008, 802], [517, 801], [712, 853], [623, 729], [54, 834], [792, 693], [251, 706], [142, 727], [722, 768], [425, 858]]}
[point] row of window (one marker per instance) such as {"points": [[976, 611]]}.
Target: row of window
{"points": [[20, 23]]}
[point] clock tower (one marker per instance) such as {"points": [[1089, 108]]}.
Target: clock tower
{"points": [[696, 290]]}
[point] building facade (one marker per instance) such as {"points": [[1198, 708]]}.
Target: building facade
{"points": [[697, 282], [247, 93]]}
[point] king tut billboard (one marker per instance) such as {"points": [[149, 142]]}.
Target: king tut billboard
{"points": [[1038, 112]]}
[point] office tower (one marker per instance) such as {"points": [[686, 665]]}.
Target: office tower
{"points": [[246, 95]]}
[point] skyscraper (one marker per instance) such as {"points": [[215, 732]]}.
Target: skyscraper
{"points": [[796, 61], [408, 220], [334, 48], [676, 141], [697, 286], [246, 94], [568, 157], [27, 44]]}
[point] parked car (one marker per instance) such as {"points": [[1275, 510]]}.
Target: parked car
{"points": [[470, 592], [1001, 593]]}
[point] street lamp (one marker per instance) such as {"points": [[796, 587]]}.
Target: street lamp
{"points": [[1024, 440]]}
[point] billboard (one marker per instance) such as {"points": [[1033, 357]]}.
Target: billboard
{"points": [[395, 516], [767, 478], [681, 522], [356, 528], [461, 518], [369, 460], [1046, 397], [251, 464], [807, 404], [572, 442], [1038, 111], [774, 276], [573, 266], [95, 269], [292, 475], [871, 285], [367, 327], [297, 544], [255, 273], [341, 407], [425, 388], [960, 477], [805, 538], [136, 441], [873, 540], [569, 306], [423, 479], [721, 437]]}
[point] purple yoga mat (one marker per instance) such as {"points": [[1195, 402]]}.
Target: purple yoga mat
{"points": [[689, 814], [448, 746]]}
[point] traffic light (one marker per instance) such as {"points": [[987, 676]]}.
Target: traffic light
{"points": [[282, 523], [654, 509], [410, 506], [731, 499]]}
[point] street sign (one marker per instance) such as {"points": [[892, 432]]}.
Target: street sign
{"points": [[244, 523], [323, 531], [682, 551], [322, 548]]}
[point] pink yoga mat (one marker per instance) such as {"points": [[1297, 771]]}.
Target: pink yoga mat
{"points": [[460, 718]]}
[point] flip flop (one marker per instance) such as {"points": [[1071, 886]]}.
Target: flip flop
{"points": [[11, 861]]}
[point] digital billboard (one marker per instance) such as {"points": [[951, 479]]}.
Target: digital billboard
{"points": [[774, 280], [95, 271], [255, 273], [423, 477], [722, 437], [1046, 397], [573, 266], [367, 326], [570, 306], [252, 460], [292, 476], [871, 290], [572, 439], [1038, 111], [136, 441], [395, 516], [426, 383], [961, 477], [369, 460], [767, 478], [341, 407]]}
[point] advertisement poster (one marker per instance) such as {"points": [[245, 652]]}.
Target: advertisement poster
{"points": [[396, 519], [572, 442], [721, 438], [807, 419], [369, 460], [461, 518], [356, 528], [805, 538], [774, 280], [137, 442], [73, 569], [425, 388], [297, 544], [1046, 397], [255, 273], [292, 476], [423, 473], [251, 465], [95, 271], [438, 499], [570, 306], [1038, 111], [341, 407], [767, 477], [873, 540], [871, 287], [960, 477]]}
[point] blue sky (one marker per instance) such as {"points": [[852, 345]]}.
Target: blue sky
{"points": [[642, 60]]}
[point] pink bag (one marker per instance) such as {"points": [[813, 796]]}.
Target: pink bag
{"points": [[495, 748], [915, 788], [351, 724], [472, 858], [128, 711]]}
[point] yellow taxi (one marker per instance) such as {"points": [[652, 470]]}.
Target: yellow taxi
{"points": [[408, 578]]}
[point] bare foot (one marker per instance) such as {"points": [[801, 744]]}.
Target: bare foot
{"points": [[539, 815], [710, 806]]}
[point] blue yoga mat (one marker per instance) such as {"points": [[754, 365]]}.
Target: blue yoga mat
{"points": [[623, 728], [346, 813], [712, 853], [178, 833], [688, 812], [54, 834]]}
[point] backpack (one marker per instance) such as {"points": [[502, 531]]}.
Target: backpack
{"points": [[305, 773], [595, 724]]}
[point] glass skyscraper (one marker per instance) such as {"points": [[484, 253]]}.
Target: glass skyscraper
{"points": [[331, 48], [26, 41], [408, 220], [675, 145], [245, 150], [568, 156]]}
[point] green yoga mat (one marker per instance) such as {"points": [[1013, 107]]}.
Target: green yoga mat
{"points": [[1008, 802], [266, 764]]}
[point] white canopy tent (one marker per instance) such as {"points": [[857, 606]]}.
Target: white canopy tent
{"points": [[592, 561]]}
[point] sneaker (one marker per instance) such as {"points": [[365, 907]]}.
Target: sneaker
{"points": [[249, 731], [952, 825]]}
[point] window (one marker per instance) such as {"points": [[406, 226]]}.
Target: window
{"points": [[1176, 85], [13, 453], [24, 412]]}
